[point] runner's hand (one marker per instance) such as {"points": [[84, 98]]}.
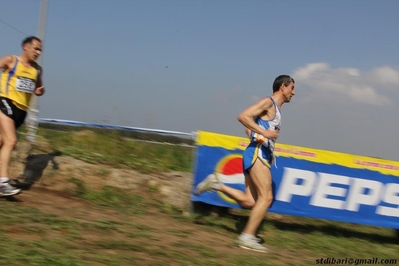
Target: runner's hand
{"points": [[39, 91]]}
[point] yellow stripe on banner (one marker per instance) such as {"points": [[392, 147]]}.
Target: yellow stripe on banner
{"points": [[313, 155], [220, 140], [338, 158]]}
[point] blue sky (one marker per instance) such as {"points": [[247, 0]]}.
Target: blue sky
{"points": [[188, 65]]}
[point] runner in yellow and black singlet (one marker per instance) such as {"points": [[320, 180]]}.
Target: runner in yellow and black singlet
{"points": [[20, 79]]}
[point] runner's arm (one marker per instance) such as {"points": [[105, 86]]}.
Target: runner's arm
{"points": [[39, 81], [248, 132], [5, 62], [39, 90], [247, 116]]}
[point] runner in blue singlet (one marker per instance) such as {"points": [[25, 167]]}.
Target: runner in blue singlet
{"points": [[263, 123]]}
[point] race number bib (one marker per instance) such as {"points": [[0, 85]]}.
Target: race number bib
{"points": [[25, 85]]}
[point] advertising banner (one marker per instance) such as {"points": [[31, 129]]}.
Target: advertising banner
{"points": [[306, 182]]}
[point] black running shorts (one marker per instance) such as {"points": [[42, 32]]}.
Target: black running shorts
{"points": [[13, 112]]}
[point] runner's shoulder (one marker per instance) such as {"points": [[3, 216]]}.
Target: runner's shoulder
{"points": [[6, 61]]}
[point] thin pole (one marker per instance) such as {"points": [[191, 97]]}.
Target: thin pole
{"points": [[33, 113]]}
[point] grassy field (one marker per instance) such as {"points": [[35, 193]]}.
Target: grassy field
{"points": [[34, 237], [108, 148], [114, 227]]}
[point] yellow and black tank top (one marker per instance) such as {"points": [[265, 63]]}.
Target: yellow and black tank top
{"points": [[18, 83]]}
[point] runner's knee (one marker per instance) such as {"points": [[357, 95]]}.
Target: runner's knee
{"points": [[266, 198], [269, 198], [10, 142]]}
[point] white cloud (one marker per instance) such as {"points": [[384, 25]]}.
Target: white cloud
{"points": [[339, 84], [385, 76]]}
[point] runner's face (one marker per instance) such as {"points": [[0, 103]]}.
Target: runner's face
{"points": [[33, 50], [288, 91]]}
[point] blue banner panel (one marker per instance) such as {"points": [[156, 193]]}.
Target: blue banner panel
{"points": [[313, 186]]}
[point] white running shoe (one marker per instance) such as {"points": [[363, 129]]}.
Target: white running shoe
{"points": [[7, 190], [251, 244], [208, 184]]}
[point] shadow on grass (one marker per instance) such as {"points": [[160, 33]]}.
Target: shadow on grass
{"points": [[306, 227], [206, 214], [34, 167]]}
